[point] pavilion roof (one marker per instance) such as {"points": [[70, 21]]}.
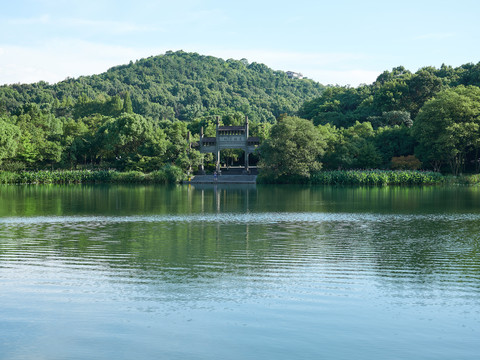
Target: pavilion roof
{"points": [[231, 128], [209, 139]]}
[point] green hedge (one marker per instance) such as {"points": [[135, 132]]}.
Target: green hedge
{"points": [[167, 175], [463, 180], [376, 177]]}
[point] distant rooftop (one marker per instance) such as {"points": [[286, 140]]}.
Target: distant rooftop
{"points": [[294, 75]]}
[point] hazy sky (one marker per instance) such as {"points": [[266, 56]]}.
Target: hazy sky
{"points": [[334, 42]]}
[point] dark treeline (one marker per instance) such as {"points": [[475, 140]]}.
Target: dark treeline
{"points": [[137, 116]]}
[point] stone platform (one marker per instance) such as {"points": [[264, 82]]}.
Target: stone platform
{"points": [[223, 179]]}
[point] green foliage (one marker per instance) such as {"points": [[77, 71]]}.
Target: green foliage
{"points": [[463, 180], [136, 118], [391, 118], [9, 137], [292, 151], [173, 174], [129, 139], [376, 177], [166, 175], [392, 142], [409, 162], [9, 177], [177, 85], [351, 148], [127, 104], [338, 106], [395, 98], [448, 128]]}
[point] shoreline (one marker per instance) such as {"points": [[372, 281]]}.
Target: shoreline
{"points": [[174, 175]]}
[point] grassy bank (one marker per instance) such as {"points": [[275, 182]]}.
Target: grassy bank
{"points": [[166, 175], [173, 174], [463, 180], [376, 177]]}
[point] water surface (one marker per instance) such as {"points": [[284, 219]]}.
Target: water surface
{"points": [[236, 272]]}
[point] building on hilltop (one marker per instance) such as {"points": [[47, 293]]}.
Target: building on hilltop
{"points": [[294, 75]]}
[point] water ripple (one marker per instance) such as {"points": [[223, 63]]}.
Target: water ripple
{"points": [[241, 218]]}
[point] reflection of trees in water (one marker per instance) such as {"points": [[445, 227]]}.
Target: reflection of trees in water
{"points": [[411, 254], [115, 200], [394, 249]]}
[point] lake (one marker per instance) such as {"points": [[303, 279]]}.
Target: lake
{"points": [[239, 272]]}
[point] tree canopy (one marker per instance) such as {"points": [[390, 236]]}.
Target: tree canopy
{"points": [[148, 114], [176, 85], [293, 150], [448, 128]]}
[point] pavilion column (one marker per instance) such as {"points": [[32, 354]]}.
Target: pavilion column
{"points": [[217, 166], [202, 166], [217, 149]]}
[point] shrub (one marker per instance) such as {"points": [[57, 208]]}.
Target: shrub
{"points": [[409, 162], [173, 173], [7, 177], [376, 177], [169, 174]]}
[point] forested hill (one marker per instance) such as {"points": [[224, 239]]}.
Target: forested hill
{"points": [[177, 85], [395, 97]]}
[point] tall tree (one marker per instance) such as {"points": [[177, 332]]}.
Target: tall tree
{"points": [[447, 128], [132, 142], [293, 150], [9, 137], [127, 104]]}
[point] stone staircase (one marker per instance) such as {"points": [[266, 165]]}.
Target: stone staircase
{"points": [[223, 179], [238, 171]]}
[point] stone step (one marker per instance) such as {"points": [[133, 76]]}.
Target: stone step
{"points": [[223, 179], [238, 171]]}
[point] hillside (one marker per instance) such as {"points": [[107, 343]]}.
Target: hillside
{"points": [[395, 97], [177, 85], [138, 116]]}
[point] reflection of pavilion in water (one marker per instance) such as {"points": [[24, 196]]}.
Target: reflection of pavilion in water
{"points": [[225, 196], [226, 199]]}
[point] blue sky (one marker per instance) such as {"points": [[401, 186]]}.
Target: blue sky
{"points": [[333, 42]]}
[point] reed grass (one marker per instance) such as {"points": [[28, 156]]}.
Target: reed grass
{"points": [[376, 177], [166, 175]]}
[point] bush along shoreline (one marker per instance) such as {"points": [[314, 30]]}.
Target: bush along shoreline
{"points": [[166, 175], [375, 178], [171, 174]]}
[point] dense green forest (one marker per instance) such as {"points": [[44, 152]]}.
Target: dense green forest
{"points": [[177, 85], [137, 116], [429, 119]]}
